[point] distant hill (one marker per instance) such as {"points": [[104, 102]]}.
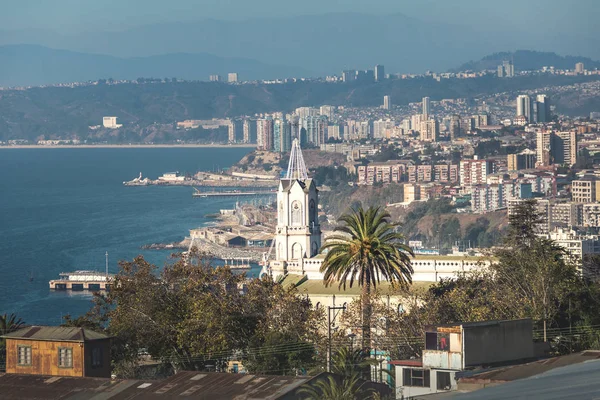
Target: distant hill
{"points": [[527, 60], [148, 110], [25, 65]]}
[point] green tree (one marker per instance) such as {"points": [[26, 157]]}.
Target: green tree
{"points": [[8, 323], [365, 249], [332, 388], [350, 362]]}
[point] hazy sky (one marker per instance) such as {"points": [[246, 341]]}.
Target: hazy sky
{"points": [[81, 15]]}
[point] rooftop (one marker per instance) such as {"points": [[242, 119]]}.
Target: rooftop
{"points": [[56, 334], [317, 286]]}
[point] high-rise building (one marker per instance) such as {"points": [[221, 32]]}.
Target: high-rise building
{"points": [[264, 133], [585, 190], [500, 71], [313, 129], [563, 148], [525, 107], [349, 75], [542, 148], [249, 131], [215, 78], [454, 127], [232, 77], [475, 172], [231, 132], [387, 102], [426, 107], [379, 73], [430, 130], [282, 135], [304, 112], [327, 111], [509, 69], [542, 106], [380, 127], [522, 160], [579, 68], [334, 132]]}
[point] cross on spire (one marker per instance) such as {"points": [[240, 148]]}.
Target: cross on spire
{"points": [[296, 167]]}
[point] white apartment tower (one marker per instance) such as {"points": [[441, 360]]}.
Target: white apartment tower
{"points": [[387, 102], [525, 107], [426, 108]]}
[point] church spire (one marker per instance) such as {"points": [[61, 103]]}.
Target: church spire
{"points": [[296, 167]]}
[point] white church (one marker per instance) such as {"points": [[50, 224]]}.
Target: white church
{"points": [[298, 233]]}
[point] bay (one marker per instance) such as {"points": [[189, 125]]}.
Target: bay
{"points": [[62, 209]]}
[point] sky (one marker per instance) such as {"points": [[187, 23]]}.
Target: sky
{"points": [[69, 16]]}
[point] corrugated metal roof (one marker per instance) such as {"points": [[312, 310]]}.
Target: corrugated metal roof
{"points": [[56, 333]]}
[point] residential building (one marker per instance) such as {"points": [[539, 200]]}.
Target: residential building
{"points": [[232, 77], [327, 111], [542, 148], [380, 127], [334, 132], [379, 73], [457, 347], [426, 108], [304, 112], [523, 160], [542, 107], [563, 149], [264, 133], [385, 172], [430, 130], [445, 173], [412, 192], [58, 351], [454, 127], [579, 68], [110, 123], [249, 131], [486, 198], [566, 214], [313, 129], [590, 215], [215, 78], [387, 102], [576, 246], [282, 135], [475, 172], [585, 190], [508, 68], [525, 107]]}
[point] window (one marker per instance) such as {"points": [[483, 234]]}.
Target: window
{"points": [[24, 355], [296, 213], [65, 357], [415, 377], [437, 341], [97, 357], [443, 380]]}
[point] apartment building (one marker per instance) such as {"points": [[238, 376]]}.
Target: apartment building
{"points": [[475, 172]]}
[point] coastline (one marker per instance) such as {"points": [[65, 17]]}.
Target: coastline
{"points": [[126, 146]]}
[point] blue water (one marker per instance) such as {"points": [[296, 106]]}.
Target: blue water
{"points": [[62, 209]]}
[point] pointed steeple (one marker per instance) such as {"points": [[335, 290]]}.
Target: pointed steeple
{"points": [[296, 167]]}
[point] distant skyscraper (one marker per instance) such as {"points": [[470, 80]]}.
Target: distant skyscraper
{"points": [[327, 111], [579, 68], [542, 106], [525, 107], [264, 133], [349, 75], [249, 131], [454, 126], [282, 135], [563, 148], [500, 71], [379, 73], [215, 78], [426, 108], [509, 69], [387, 102], [232, 77], [430, 130]]}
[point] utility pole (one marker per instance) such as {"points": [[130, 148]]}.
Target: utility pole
{"points": [[329, 323], [106, 264]]}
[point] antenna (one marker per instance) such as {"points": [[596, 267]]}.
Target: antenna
{"points": [[106, 264], [296, 167]]}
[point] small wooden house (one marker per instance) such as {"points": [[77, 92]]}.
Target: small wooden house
{"points": [[59, 351]]}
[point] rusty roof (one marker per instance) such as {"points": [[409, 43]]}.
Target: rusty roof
{"points": [[193, 385], [56, 334]]}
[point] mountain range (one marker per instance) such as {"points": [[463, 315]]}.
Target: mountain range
{"points": [[25, 65], [528, 60], [325, 44]]}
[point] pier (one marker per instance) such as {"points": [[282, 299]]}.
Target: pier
{"points": [[82, 280], [233, 193]]}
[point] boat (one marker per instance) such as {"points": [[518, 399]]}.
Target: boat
{"points": [[83, 280]]}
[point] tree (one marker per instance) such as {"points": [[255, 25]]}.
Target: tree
{"points": [[350, 362], [8, 323], [331, 388], [365, 249]]}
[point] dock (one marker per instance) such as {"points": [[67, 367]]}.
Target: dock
{"points": [[82, 280], [233, 193]]}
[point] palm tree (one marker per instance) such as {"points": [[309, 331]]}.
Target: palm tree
{"points": [[349, 362], [330, 388], [366, 249], [10, 323]]}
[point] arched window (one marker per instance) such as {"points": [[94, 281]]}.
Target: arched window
{"points": [[314, 249], [296, 251], [296, 213], [312, 211]]}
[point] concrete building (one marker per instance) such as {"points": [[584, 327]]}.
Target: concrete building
{"points": [[475, 172], [110, 123], [579, 68], [543, 208], [542, 108], [486, 198], [232, 77], [523, 160], [379, 73], [282, 135], [249, 131], [334, 132], [387, 102], [452, 348], [264, 133], [430, 130], [542, 148], [327, 111], [566, 215], [412, 192], [576, 246], [454, 127], [525, 107], [384, 172], [585, 190], [563, 150], [215, 78], [426, 108]]}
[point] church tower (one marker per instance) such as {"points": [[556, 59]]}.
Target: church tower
{"points": [[298, 234]]}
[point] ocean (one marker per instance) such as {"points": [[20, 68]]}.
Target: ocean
{"points": [[62, 209]]}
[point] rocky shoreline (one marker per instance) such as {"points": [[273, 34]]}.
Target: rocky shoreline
{"points": [[212, 249]]}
